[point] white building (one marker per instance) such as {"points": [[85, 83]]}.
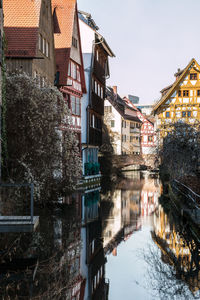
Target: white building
{"points": [[95, 55]]}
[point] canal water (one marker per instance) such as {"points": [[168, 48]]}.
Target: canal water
{"points": [[122, 241]]}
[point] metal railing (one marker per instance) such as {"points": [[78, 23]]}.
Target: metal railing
{"points": [[187, 192]]}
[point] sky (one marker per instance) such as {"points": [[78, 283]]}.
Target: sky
{"points": [[151, 40]]}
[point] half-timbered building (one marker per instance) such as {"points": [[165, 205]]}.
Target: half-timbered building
{"points": [[123, 124], [69, 61], [147, 133], [95, 54], [180, 102]]}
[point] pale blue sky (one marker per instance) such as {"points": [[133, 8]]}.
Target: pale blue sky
{"points": [[150, 38]]}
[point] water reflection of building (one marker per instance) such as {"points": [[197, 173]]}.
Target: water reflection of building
{"points": [[149, 195], [178, 248], [46, 263], [135, 197], [92, 253], [124, 215]]}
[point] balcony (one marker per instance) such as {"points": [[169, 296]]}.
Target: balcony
{"points": [[134, 130], [95, 137], [99, 71], [97, 104], [91, 169]]}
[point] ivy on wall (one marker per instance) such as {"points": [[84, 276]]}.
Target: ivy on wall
{"points": [[4, 153]]}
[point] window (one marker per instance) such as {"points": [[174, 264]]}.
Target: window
{"points": [[69, 69], [124, 124], [40, 42], [198, 92], [101, 93], [47, 49], [150, 138], [73, 70], [43, 45], [95, 87], [131, 138], [99, 90], [74, 42], [193, 76], [123, 138], [112, 123], [183, 114], [75, 105], [97, 55], [108, 109], [167, 114], [185, 93], [179, 93], [186, 114]]}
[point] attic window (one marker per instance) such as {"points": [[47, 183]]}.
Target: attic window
{"points": [[74, 42], [193, 76], [179, 93]]}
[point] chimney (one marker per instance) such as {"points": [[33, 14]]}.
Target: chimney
{"points": [[114, 252], [115, 89]]}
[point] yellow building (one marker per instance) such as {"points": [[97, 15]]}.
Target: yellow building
{"points": [[180, 102]]}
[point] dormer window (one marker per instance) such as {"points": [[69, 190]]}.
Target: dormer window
{"points": [[193, 76]]}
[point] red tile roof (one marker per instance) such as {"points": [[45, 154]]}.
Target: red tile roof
{"points": [[21, 23], [64, 11]]}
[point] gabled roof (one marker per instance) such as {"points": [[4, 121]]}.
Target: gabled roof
{"points": [[174, 86], [64, 14], [21, 23], [87, 19], [137, 109], [119, 104]]}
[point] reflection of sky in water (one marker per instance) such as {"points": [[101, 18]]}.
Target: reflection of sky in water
{"points": [[128, 271]]}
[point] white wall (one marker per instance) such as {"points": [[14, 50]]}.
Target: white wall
{"points": [[87, 37], [116, 129]]}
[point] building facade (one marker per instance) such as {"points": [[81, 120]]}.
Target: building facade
{"points": [[123, 127], [148, 135], [29, 38], [95, 54], [69, 61], [180, 102]]}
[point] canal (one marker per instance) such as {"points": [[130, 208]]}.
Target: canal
{"points": [[122, 241]]}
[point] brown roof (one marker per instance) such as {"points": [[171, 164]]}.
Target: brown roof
{"points": [[64, 12], [63, 17], [21, 13], [21, 22], [120, 105], [166, 88]]}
